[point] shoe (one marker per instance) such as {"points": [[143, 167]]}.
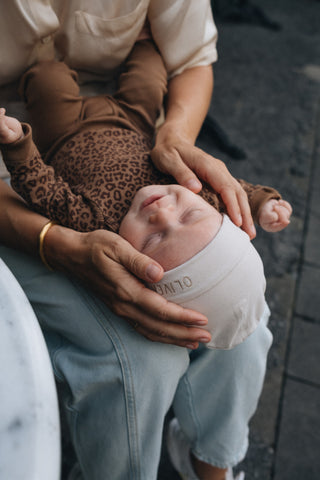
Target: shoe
{"points": [[179, 453], [229, 475]]}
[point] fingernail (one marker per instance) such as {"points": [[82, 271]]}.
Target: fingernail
{"points": [[153, 272], [204, 339], [201, 322], [191, 347]]}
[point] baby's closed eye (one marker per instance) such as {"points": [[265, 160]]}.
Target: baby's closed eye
{"points": [[151, 240], [190, 215]]}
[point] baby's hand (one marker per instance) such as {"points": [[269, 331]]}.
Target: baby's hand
{"points": [[275, 215], [10, 128]]}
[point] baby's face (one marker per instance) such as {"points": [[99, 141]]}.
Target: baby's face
{"points": [[170, 224]]}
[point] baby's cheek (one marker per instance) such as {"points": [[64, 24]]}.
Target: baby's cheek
{"points": [[128, 229]]}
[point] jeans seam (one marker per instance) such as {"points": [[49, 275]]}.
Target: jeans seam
{"points": [[127, 377], [193, 413]]}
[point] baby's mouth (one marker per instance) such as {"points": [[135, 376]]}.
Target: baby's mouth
{"points": [[150, 200]]}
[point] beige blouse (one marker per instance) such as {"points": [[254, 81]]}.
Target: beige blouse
{"points": [[97, 37]]}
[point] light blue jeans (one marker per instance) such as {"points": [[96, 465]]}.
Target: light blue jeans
{"points": [[118, 386]]}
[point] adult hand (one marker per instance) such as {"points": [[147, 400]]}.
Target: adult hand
{"points": [[177, 156], [112, 268]]}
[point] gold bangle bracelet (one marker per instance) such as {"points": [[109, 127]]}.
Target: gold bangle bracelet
{"points": [[42, 235]]}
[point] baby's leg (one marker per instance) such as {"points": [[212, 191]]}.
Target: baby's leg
{"points": [[52, 98], [143, 85]]}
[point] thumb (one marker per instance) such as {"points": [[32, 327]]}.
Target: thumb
{"points": [[171, 163], [187, 160], [187, 178], [145, 268], [138, 264]]}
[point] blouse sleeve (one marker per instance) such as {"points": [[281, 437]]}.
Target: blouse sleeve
{"points": [[26, 35], [185, 33]]}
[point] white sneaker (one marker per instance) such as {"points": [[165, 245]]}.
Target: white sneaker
{"points": [[179, 453], [229, 475]]}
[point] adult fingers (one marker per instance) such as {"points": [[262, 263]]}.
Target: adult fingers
{"points": [[188, 163], [180, 335], [133, 298], [160, 320], [119, 265], [238, 208], [168, 160], [214, 172], [123, 253]]}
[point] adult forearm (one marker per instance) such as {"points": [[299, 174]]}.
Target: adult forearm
{"points": [[188, 100], [19, 226]]}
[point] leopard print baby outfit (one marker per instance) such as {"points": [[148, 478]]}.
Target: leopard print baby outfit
{"points": [[94, 176]]}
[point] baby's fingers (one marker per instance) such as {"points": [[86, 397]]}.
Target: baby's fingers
{"points": [[278, 219], [286, 205], [283, 215]]}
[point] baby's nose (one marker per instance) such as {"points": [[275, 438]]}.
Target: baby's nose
{"points": [[163, 216]]}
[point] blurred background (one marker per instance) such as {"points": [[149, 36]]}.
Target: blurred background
{"points": [[264, 122]]}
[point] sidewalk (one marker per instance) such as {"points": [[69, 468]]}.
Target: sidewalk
{"points": [[267, 99]]}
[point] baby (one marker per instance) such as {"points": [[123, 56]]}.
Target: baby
{"points": [[211, 265], [91, 155], [94, 162]]}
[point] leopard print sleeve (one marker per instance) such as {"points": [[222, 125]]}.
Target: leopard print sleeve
{"points": [[44, 191]]}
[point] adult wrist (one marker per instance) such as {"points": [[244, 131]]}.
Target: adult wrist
{"points": [[174, 131], [45, 229], [59, 247]]}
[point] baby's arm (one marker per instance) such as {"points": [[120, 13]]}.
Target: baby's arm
{"points": [[46, 192], [267, 207], [10, 128], [275, 215]]}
